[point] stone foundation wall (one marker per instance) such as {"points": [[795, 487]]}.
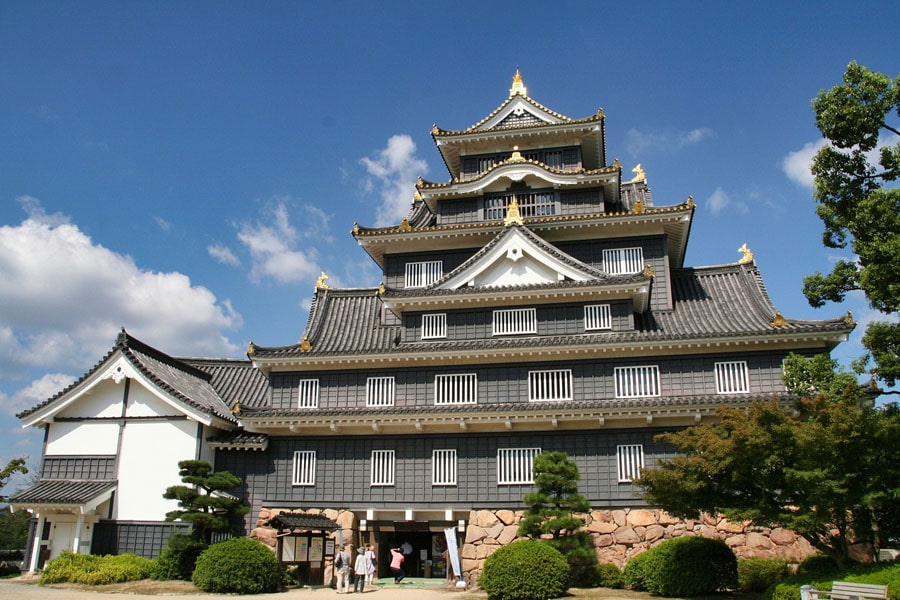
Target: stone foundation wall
{"points": [[620, 534]]}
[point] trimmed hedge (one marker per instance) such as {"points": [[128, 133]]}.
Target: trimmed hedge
{"points": [[90, 569], [178, 558], [525, 570], [684, 566], [238, 566], [608, 575], [879, 573], [759, 574]]}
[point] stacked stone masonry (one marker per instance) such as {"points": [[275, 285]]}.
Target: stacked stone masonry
{"points": [[618, 535]]}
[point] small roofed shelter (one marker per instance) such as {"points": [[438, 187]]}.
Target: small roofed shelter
{"points": [[305, 540]]}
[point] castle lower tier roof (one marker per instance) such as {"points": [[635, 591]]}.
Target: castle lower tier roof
{"points": [[58, 493], [725, 302]]}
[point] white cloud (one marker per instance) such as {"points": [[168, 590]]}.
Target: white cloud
{"points": [[64, 298], [719, 201], [636, 141], [38, 391], [223, 254], [274, 245], [162, 224], [796, 165], [396, 168]]}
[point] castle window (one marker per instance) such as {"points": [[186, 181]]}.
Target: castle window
{"points": [[308, 393], [637, 382], [456, 389], [443, 467], [531, 204], [731, 377], [434, 326], [623, 261], [382, 467], [305, 467], [549, 385], [423, 274], [515, 321], [515, 466], [380, 391], [597, 316], [630, 460]]}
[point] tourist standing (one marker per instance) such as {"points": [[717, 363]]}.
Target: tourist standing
{"points": [[342, 564], [371, 563], [359, 571]]}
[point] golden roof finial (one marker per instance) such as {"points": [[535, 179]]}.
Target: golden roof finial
{"points": [[320, 282], [638, 206], [380, 291], [748, 256], [690, 202], [849, 318], [236, 411], [648, 271], [518, 86], [512, 213], [404, 225], [778, 320], [616, 164], [305, 346], [640, 177]]}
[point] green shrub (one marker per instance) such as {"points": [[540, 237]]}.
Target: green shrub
{"points": [[879, 573], [525, 570], [817, 565], [685, 566], [608, 575], [178, 558], [759, 574], [238, 566], [90, 569], [635, 571]]}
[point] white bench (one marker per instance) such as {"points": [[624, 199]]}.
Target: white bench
{"points": [[846, 590]]}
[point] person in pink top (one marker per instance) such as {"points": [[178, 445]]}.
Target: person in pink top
{"points": [[397, 559]]}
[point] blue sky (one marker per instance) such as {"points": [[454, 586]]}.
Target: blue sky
{"points": [[187, 169]]}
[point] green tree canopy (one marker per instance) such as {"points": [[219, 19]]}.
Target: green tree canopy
{"points": [[859, 204], [205, 501], [15, 465], [823, 468]]}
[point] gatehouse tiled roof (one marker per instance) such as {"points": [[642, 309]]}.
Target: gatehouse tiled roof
{"points": [[304, 521], [56, 491]]}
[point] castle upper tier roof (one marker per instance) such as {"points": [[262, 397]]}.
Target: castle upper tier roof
{"points": [[712, 306], [523, 119], [204, 388]]}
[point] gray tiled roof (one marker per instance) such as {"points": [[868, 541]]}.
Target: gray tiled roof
{"points": [[305, 521], [240, 440], [709, 303], [211, 386], [53, 491]]}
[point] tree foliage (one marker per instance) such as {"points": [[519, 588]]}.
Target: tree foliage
{"points": [[822, 468], [552, 508], [204, 501], [16, 465], [859, 204]]}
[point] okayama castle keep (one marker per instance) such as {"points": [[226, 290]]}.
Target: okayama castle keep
{"points": [[538, 300]]}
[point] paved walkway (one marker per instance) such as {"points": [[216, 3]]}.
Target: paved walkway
{"points": [[11, 589]]}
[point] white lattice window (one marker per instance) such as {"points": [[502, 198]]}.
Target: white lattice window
{"points": [[515, 320], [382, 467], [637, 382], [622, 261], [597, 316], [305, 467], [308, 393], [443, 467], [380, 391], [550, 385], [434, 326], [421, 274], [731, 377], [456, 389], [515, 466], [630, 459]]}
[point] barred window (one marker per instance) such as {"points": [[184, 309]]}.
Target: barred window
{"points": [[622, 261], [550, 385], [305, 467], [434, 326], [597, 316], [380, 391], [443, 467], [422, 274], [731, 377], [308, 393], [456, 389], [382, 467], [630, 460], [514, 321], [515, 466], [531, 204], [637, 382]]}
